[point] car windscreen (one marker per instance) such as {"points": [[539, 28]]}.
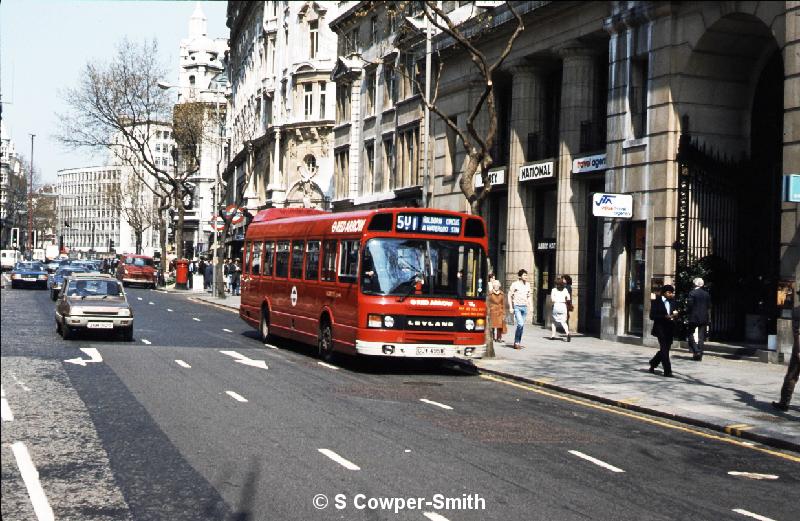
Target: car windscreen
{"points": [[66, 272], [93, 288], [29, 266], [139, 261]]}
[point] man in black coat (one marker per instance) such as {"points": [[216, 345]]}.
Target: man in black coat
{"points": [[663, 313], [793, 372], [697, 305]]}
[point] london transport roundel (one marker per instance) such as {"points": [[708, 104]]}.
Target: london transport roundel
{"points": [[237, 216], [218, 223], [294, 295]]}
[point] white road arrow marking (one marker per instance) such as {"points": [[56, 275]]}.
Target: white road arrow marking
{"points": [[240, 358], [94, 357], [145, 341], [5, 411], [752, 475], [433, 516]]}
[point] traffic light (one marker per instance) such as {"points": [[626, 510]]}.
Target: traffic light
{"points": [[15, 237]]}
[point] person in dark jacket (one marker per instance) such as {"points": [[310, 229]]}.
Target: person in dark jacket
{"points": [[697, 305], [208, 275], [663, 313], [793, 372]]}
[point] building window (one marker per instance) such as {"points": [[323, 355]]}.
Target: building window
{"points": [[271, 54], [373, 30], [370, 86], [637, 95], [313, 42], [322, 88], [354, 44], [370, 178], [342, 172], [308, 99], [409, 141], [343, 93], [388, 163], [411, 75], [389, 86]]}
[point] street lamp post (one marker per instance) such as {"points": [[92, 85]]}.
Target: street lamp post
{"points": [[30, 204]]}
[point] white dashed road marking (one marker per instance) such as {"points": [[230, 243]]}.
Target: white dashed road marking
{"points": [[433, 516], [236, 396], [183, 364], [271, 346], [227, 330], [151, 303], [5, 411], [596, 461], [750, 514], [437, 404], [329, 366], [41, 507], [196, 319], [752, 475], [349, 465], [145, 341], [140, 298], [169, 310]]}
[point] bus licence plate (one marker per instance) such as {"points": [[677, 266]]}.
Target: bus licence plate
{"points": [[430, 351], [100, 325]]}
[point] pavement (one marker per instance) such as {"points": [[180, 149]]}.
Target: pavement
{"points": [[720, 393]]}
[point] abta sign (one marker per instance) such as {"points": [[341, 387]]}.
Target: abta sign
{"points": [[612, 205]]}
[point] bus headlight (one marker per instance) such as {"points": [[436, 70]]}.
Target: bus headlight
{"points": [[480, 324], [374, 320], [469, 324], [388, 321]]}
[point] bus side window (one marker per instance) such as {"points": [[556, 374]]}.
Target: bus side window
{"points": [[282, 259], [247, 256], [255, 259], [348, 261], [312, 260], [297, 259], [329, 261], [269, 258]]}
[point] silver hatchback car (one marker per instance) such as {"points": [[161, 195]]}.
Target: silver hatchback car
{"points": [[90, 302]]}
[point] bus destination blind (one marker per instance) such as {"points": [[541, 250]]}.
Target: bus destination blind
{"points": [[433, 224]]}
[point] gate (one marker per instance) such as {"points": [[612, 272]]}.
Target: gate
{"points": [[707, 232]]}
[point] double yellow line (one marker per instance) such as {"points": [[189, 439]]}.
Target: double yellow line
{"points": [[732, 429]]}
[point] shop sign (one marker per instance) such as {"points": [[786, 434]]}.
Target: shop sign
{"points": [[612, 205], [594, 163], [791, 188], [540, 170], [497, 176], [545, 244]]}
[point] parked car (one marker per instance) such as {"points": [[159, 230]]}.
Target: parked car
{"points": [[29, 273], [136, 269], [93, 301], [55, 281], [9, 258]]}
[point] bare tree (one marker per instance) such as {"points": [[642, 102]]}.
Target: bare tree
{"points": [[133, 200], [119, 106]]}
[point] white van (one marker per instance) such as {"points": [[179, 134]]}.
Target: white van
{"points": [[8, 258]]}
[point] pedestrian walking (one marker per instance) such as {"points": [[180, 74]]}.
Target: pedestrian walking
{"points": [[568, 286], [236, 277], [663, 315], [793, 372], [192, 267], [520, 300], [697, 304], [208, 276], [497, 310], [226, 271], [561, 300]]}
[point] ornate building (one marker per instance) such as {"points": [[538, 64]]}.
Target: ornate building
{"points": [[281, 105], [13, 194]]}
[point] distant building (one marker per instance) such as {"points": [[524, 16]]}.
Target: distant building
{"points": [[13, 194], [281, 105]]}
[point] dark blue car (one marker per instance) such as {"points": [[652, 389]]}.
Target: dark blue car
{"points": [[56, 281], [29, 274]]}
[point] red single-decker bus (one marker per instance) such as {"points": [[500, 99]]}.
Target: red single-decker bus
{"points": [[403, 282]]}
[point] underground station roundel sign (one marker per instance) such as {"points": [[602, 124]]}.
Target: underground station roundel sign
{"points": [[294, 295], [218, 223], [235, 214]]}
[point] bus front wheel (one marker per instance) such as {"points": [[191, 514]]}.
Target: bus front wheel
{"points": [[264, 330], [325, 344]]}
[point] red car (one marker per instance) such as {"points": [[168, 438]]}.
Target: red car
{"points": [[137, 269]]}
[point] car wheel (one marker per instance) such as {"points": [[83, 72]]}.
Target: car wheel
{"points": [[325, 343], [264, 329], [66, 332], [127, 334], [124, 284]]}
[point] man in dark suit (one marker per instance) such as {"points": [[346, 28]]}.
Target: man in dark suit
{"points": [[697, 305], [663, 314]]}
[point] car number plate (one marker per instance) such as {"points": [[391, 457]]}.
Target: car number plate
{"points": [[29, 279], [430, 350], [100, 325]]}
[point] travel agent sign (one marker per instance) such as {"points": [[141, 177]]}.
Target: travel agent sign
{"points": [[612, 205]]}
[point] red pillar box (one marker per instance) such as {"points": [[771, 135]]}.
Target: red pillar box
{"points": [[181, 273]]}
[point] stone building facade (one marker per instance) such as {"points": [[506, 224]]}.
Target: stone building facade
{"points": [[678, 118], [281, 104], [13, 195]]}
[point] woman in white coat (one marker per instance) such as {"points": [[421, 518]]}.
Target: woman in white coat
{"points": [[560, 298]]}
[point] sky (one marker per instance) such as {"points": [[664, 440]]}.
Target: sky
{"points": [[45, 44]]}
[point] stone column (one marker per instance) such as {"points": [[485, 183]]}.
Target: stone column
{"points": [[527, 116], [276, 183], [578, 95]]}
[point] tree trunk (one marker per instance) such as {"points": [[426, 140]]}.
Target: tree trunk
{"points": [[162, 236], [138, 234], [179, 226]]}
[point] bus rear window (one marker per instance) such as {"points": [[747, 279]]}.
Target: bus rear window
{"points": [[282, 259]]}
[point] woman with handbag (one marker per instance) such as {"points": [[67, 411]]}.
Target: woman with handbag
{"points": [[562, 301], [497, 311]]}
